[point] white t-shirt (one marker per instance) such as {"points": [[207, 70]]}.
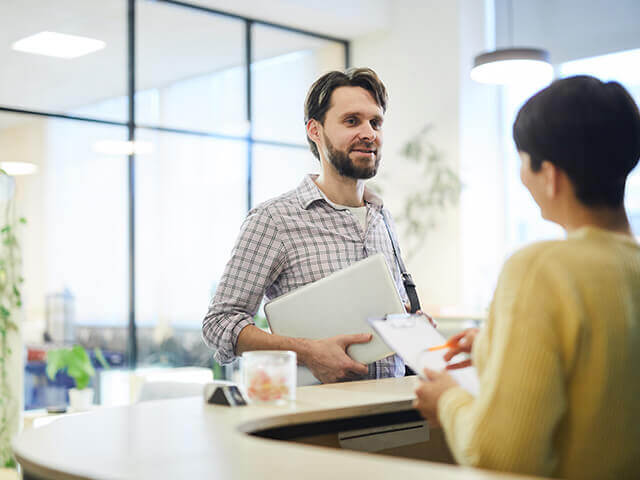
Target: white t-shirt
{"points": [[359, 212]]}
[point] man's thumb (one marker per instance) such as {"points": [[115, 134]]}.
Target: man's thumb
{"points": [[359, 338]]}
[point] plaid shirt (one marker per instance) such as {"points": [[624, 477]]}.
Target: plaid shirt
{"points": [[285, 243]]}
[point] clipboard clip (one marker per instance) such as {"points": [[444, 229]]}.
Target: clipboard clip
{"points": [[401, 320]]}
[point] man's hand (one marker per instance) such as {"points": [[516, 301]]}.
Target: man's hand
{"points": [[328, 360], [407, 307], [431, 320], [462, 343], [429, 392]]}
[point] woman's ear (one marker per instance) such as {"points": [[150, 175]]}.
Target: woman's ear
{"points": [[551, 175]]}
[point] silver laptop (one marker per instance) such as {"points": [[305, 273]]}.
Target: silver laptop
{"points": [[340, 304]]}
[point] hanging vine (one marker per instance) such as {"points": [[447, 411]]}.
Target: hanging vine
{"points": [[10, 303]]}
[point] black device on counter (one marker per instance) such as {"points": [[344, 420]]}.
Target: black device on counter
{"points": [[229, 395]]}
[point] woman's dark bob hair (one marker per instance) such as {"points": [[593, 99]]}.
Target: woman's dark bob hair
{"points": [[587, 128]]}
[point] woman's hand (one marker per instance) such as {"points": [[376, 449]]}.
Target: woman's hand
{"points": [[429, 392], [461, 343]]}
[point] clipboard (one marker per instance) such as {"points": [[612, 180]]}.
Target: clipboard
{"points": [[410, 336]]}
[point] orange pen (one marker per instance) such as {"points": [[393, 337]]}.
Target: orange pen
{"points": [[449, 344]]}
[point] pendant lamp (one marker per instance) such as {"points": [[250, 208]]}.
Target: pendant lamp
{"points": [[512, 65]]}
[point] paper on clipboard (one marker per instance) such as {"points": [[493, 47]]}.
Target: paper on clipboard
{"points": [[410, 336]]}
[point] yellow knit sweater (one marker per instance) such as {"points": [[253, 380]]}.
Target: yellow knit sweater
{"points": [[559, 364]]}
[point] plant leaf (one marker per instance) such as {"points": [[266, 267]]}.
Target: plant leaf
{"points": [[56, 360], [100, 357]]}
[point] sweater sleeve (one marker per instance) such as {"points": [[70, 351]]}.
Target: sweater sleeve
{"points": [[510, 425]]}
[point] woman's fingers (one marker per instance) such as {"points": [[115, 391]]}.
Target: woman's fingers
{"points": [[463, 364], [452, 352]]}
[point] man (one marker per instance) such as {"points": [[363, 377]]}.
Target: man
{"points": [[327, 223], [558, 359]]}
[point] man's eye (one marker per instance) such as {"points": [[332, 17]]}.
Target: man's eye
{"points": [[376, 123], [350, 121]]}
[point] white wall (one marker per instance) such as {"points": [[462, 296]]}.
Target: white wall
{"points": [[482, 205], [417, 58], [25, 141], [424, 57]]}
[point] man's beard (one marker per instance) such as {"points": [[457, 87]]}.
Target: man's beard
{"points": [[347, 167]]}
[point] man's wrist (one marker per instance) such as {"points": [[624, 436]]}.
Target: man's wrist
{"points": [[301, 347], [252, 338]]}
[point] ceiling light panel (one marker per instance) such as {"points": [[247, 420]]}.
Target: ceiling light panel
{"points": [[59, 45]]}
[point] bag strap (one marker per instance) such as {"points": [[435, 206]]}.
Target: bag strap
{"points": [[409, 285]]}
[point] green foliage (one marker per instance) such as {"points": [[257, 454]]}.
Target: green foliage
{"points": [[75, 361], [261, 322], [217, 370], [10, 303], [100, 357], [440, 189]]}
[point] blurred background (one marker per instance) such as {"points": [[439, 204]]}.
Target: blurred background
{"points": [[137, 156]]}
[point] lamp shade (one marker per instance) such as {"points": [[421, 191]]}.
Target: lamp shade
{"points": [[512, 65]]}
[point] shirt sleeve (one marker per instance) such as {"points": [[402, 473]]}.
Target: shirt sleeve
{"points": [[510, 425], [256, 261]]}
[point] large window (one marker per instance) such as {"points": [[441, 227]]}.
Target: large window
{"points": [[218, 127], [523, 217], [523, 223], [620, 67]]}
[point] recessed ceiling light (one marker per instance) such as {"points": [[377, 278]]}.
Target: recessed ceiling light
{"points": [[59, 45]]}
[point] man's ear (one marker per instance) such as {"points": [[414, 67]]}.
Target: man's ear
{"points": [[313, 130]]}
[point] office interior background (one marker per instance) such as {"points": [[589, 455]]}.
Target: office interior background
{"points": [[126, 241]]}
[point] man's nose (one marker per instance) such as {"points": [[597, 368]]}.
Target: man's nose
{"points": [[367, 132]]}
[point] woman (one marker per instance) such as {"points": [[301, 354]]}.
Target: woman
{"points": [[558, 358]]}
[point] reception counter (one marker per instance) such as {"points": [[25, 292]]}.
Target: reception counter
{"points": [[343, 430]]}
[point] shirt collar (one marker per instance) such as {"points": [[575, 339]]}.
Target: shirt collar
{"points": [[308, 193]]}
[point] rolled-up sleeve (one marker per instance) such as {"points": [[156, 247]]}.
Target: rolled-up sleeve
{"points": [[257, 259]]}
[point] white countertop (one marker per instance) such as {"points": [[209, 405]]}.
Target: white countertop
{"points": [[186, 438]]}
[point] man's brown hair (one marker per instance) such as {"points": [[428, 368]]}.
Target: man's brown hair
{"points": [[318, 99]]}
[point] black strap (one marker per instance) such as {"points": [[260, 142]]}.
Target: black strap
{"points": [[409, 285]]}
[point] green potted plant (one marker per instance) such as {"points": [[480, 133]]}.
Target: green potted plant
{"points": [[11, 348], [77, 364]]}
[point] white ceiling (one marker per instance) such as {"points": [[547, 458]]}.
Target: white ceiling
{"points": [[339, 18], [175, 42], [172, 43], [570, 29]]}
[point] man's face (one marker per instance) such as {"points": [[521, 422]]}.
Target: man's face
{"points": [[351, 137]]}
